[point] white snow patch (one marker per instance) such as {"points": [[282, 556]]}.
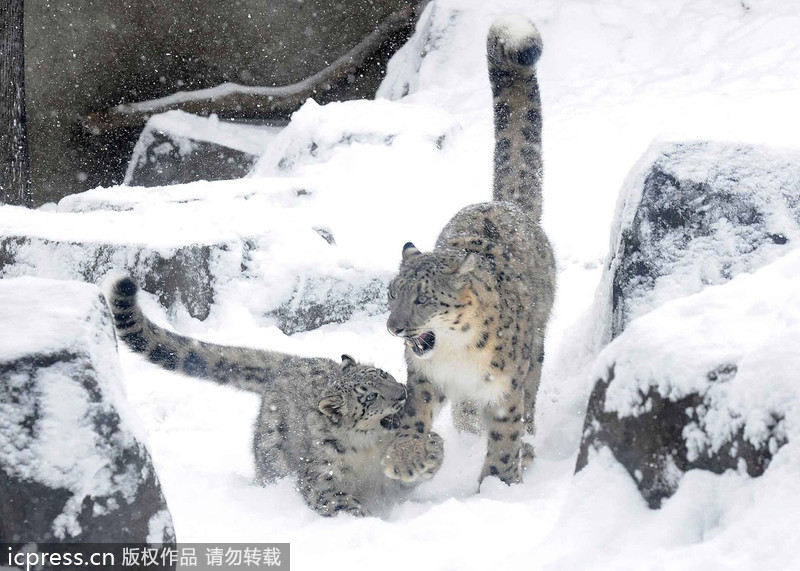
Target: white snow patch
{"points": [[514, 31], [46, 317]]}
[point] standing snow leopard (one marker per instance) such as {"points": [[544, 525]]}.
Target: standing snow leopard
{"points": [[473, 311], [326, 424]]}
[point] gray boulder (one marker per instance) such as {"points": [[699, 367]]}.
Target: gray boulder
{"points": [[73, 466], [652, 439], [177, 147], [691, 215], [694, 214]]}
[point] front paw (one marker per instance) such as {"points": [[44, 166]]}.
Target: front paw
{"points": [[413, 457], [340, 503]]}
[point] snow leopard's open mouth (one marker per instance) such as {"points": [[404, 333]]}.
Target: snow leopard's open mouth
{"points": [[423, 344]]}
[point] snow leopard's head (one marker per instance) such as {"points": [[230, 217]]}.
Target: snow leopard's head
{"points": [[429, 297], [364, 397]]}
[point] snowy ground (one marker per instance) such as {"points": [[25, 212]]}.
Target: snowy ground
{"points": [[615, 74]]}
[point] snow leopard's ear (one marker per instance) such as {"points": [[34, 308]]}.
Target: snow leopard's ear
{"points": [[331, 406], [347, 362], [409, 251]]}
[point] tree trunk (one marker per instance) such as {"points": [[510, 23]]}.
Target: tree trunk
{"points": [[14, 158]]}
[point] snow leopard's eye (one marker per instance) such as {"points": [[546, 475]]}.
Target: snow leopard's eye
{"points": [[422, 299], [371, 397], [392, 293]]}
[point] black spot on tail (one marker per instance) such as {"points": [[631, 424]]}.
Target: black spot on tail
{"points": [[195, 366], [126, 287], [123, 315], [122, 325], [529, 55], [123, 303], [162, 356], [135, 341], [500, 79], [502, 116]]}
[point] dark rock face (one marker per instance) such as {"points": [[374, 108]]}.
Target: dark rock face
{"points": [[692, 215], [699, 214], [71, 465], [177, 147], [90, 55], [652, 446], [169, 160]]}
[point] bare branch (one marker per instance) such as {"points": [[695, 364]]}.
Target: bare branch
{"points": [[248, 100]]}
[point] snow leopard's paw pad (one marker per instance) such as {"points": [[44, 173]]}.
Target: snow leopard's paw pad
{"points": [[413, 457]]}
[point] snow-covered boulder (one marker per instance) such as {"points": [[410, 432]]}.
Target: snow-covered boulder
{"points": [[706, 381], [180, 275], [447, 43], [177, 147], [73, 466], [692, 214], [317, 132], [262, 247], [690, 380], [299, 243]]}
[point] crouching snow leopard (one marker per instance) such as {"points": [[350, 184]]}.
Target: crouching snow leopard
{"points": [[473, 311], [326, 424]]}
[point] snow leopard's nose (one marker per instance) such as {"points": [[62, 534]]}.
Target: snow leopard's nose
{"points": [[395, 328], [392, 391], [399, 392]]}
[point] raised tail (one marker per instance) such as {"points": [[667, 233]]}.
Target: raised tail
{"points": [[513, 48], [240, 367]]}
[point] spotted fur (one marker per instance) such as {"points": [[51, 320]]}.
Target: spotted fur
{"points": [[473, 311], [325, 424]]}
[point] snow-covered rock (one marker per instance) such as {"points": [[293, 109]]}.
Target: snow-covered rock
{"points": [[317, 132], [433, 29], [73, 465], [692, 214], [706, 381], [259, 246], [177, 147], [680, 388], [182, 275], [316, 301], [289, 245]]}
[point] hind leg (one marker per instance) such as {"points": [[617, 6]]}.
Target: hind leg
{"points": [[467, 417], [527, 454], [268, 443], [504, 424], [531, 385]]}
